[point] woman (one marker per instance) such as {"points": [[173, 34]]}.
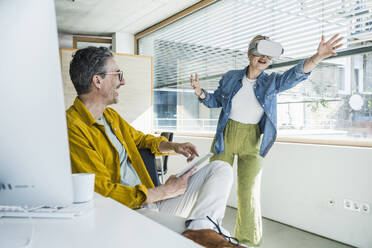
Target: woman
{"points": [[248, 101]]}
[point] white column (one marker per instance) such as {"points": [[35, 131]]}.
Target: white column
{"points": [[64, 40], [123, 43]]}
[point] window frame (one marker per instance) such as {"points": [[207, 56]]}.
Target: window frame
{"points": [[88, 39]]}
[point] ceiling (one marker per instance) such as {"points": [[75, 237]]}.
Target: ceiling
{"points": [[105, 17]]}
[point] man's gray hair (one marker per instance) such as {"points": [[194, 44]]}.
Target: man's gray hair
{"points": [[86, 63]]}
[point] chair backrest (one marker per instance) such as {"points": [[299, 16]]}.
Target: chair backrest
{"points": [[149, 160], [169, 136]]}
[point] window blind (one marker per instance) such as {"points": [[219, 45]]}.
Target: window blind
{"points": [[215, 39]]}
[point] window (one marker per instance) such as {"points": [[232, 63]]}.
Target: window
{"points": [[213, 40], [80, 42]]}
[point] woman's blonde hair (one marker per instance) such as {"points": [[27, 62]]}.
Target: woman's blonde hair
{"points": [[257, 37]]}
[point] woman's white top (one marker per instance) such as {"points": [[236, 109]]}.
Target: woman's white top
{"points": [[244, 106]]}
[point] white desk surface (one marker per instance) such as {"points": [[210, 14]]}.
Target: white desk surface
{"points": [[109, 225]]}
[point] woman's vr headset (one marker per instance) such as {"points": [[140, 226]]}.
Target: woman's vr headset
{"points": [[266, 47]]}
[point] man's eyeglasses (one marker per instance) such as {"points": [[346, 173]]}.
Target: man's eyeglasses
{"points": [[119, 73], [232, 240]]}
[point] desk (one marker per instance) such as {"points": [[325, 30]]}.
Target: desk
{"points": [[110, 225]]}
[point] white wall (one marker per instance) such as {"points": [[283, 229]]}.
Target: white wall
{"points": [[123, 43], [298, 182], [135, 103]]}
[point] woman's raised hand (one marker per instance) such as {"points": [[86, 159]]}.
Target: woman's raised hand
{"points": [[195, 84], [327, 49]]}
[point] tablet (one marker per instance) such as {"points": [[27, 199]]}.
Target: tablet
{"points": [[195, 163]]}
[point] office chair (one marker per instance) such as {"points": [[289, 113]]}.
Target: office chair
{"points": [[163, 160], [150, 163]]}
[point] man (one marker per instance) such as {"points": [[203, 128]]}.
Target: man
{"points": [[103, 143]]}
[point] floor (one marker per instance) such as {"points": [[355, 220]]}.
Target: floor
{"points": [[277, 235]]}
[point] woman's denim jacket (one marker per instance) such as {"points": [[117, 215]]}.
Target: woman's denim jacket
{"points": [[266, 89]]}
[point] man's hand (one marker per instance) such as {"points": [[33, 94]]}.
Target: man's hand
{"points": [[187, 149], [173, 187], [177, 185]]}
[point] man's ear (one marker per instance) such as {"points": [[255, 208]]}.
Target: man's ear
{"points": [[96, 80]]}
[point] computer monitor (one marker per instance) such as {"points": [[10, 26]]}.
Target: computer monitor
{"points": [[34, 155]]}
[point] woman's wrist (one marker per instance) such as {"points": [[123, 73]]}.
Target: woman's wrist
{"points": [[315, 59], [201, 94]]}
